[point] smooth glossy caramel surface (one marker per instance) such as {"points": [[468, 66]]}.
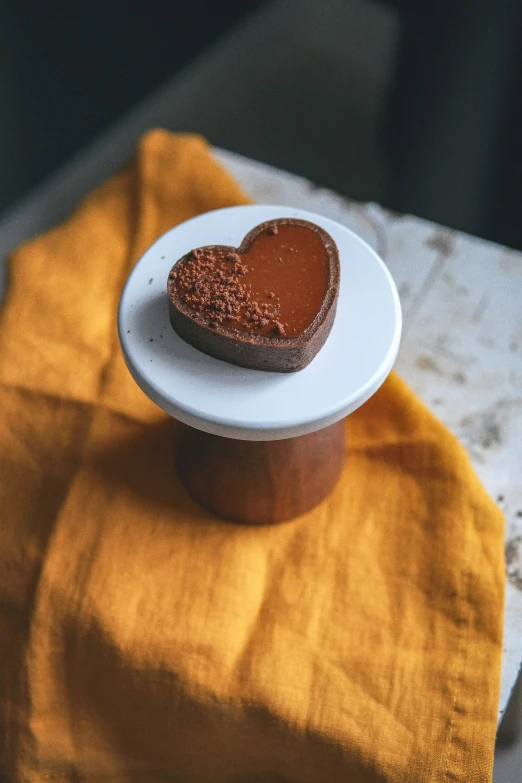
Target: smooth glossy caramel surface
{"points": [[293, 264]]}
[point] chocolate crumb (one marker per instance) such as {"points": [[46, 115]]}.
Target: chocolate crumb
{"points": [[151, 340], [272, 230], [209, 282], [279, 328]]}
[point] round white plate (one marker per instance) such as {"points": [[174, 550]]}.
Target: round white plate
{"points": [[235, 402]]}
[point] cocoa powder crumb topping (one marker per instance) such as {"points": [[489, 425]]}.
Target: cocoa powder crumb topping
{"points": [[209, 281]]}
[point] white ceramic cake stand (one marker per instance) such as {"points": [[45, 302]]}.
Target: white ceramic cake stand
{"points": [[231, 402]]}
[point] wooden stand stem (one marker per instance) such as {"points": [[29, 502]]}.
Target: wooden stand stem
{"points": [[261, 482]]}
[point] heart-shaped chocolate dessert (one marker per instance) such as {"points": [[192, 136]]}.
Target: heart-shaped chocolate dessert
{"points": [[267, 305]]}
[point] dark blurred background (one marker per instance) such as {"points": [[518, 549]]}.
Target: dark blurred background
{"points": [[416, 105]]}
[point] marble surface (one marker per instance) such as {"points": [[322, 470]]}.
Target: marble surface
{"points": [[461, 348]]}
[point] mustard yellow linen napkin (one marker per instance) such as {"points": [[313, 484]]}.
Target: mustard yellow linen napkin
{"points": [[144, 640]]}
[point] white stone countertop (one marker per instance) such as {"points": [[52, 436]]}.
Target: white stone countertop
{"points": [[461, 349], [462, 305]]}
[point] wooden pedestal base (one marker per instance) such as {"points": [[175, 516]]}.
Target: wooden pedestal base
{"points": [[261, 482]]}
